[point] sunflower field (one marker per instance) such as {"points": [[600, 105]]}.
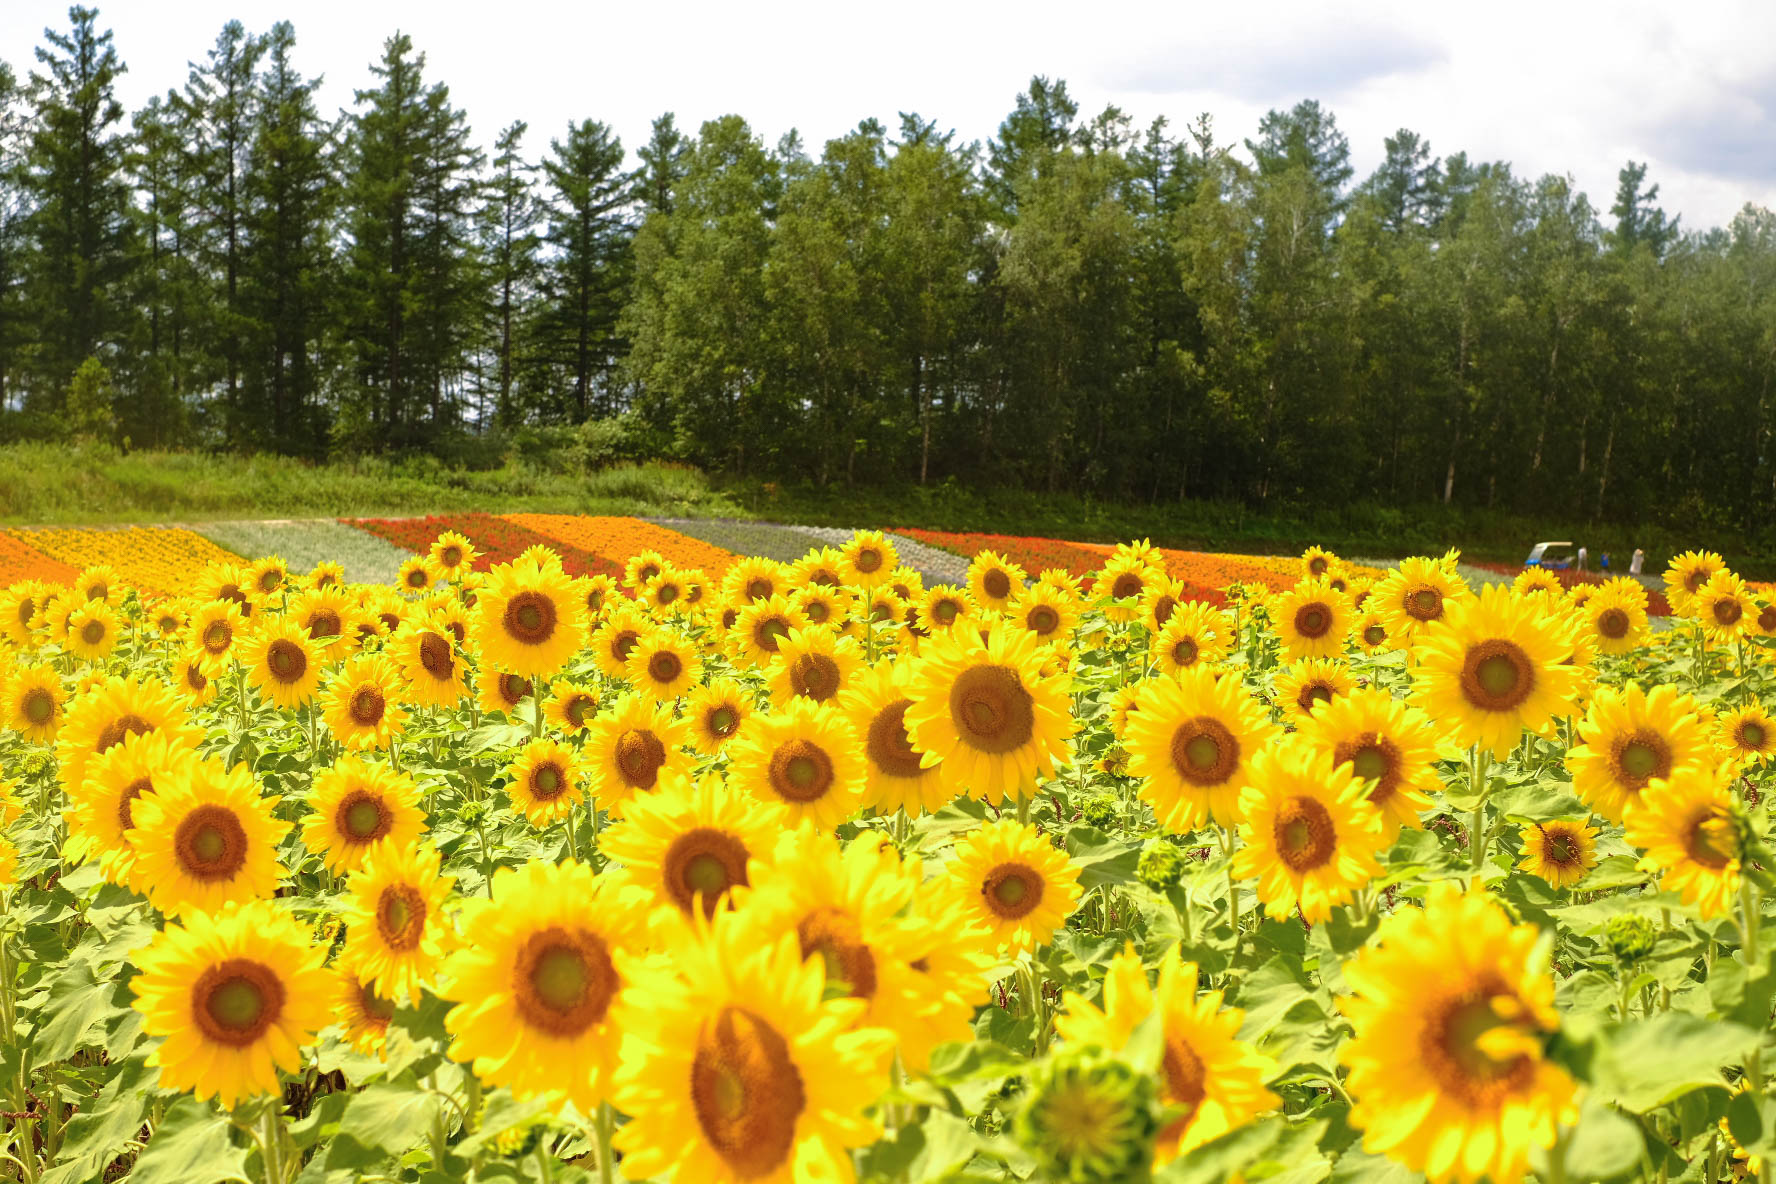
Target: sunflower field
{"points": [[763, 871]]}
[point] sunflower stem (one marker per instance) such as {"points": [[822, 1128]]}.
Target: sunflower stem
{"points": [[536, 714], [271, 1148], [1752, 949], [1023, 810], [607, 1171], [1482, 762]]}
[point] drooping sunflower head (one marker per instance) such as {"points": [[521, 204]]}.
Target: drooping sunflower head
{"points": [[1690, 831], [1191, 740], [451, 553], [544, 782], [694, 843], [716, 712], [206, 838], [1303, 686], [362, 704], [356, 804], [803, 757], [868, 559], [1560, 851], [813, 664], [662, 665], [1632, 737], [1013, 881]]}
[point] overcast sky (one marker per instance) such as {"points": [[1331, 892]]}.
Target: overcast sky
{"points": [[1549, 85]]}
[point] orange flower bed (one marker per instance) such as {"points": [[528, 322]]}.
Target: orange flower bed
{"points": [[20, 562], [617, 539]]}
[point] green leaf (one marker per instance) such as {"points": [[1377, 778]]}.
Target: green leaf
{"points": [[1357, 1166], [79, 1000], [1268, 993], [1752, 1120], [1604, 1145], [382, 1122], [97, 1134], [1540, 801], [1100, 858], [193, 1142], [1643, 1064]]}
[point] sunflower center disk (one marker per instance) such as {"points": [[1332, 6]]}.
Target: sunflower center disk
{"points": [[1185, 652], [211, 844], [363, 819], [1313, 621], [434, 655], [801, 771], [992, 710], [217, 636], [665, 667], [815, 676], [1012, 890], [704, 862], [287, 661], [1752, 736], [723, 721], [1613, 624], [997, 584], [1641, 756], [530, 618], [1728, 611], [835, 935], [235, 1001], [565, 981], [747, 1092], [1374, 635], [1303, 834], [1127, 584], [1186, 1083], [117, 729], [39, 705], [889, 748], [1204, 752], [1497, 675], [1043, 620], [1426, 604], [1458, 1045], [639, 756], [1713, 840], [400, 916], [323, 623], [367, 706], [131, 792], [547, 781], [93, 632], [236, 1004]]}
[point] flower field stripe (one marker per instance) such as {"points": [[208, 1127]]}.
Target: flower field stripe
{"points": [[157, 558], [786, 544], [498, 539], [1034, 555], [304, 542], [20, 561], [617, 539]]}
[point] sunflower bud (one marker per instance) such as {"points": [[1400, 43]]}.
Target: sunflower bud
{"points": [[1631, 937], [1099, 812], [1161, 865], [1089, 1118]]}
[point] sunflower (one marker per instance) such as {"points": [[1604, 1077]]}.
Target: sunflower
{"points": [[388, 609], [821, 565], [1311, 620], [502, 692], [1614, 620], [396, 934], [356, 804], [692, 843], [281, 662], [1047, 614], [812, 664], [236, 993], [739, 1070], [452, 553], [1196, 632], [451, 617], [362, 703], [214, 629], [1533, 581], [994, 581], [616, 637], [323, 614], [20, 606], [822, 606], [539, 980], [662, 666], [1560, 852], [1687, 829], [1191, 740], [1372, 635], [1724, 608], [598, 592], [1309, 835], [1452, 1011], [544, 782], [430, 665], [803, 757], [1302, 686], [362, 1014], [264, 578], [1686, 575], [190, 681], [953, 956], [868, 559], [666, 591], [571, 706], [527, 620], [326, 574], [1629, 738], [1414, 595], [715, 713], [1214, 1079], [101, 816], [1126, 577], [1012, 880], [102, 716], [761, 627], [982, 707], [1389, 745], [895, 775], [99, 583], [92, 631], [206, 838], [1317, 563], [417, 575], [945, 605], [632, 751], [642, 567], [32, 703], [1747, 735], [1494, 668], [753, 579]]}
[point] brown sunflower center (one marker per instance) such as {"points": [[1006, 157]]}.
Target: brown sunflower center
{"points": [[996, 584], [93, 632], [801, 771], [1497, 675], [722, 722], [665, 667], [367, 706], [548, 781], [1727, 611], [1303, 833], [1317, 565], [435, 656], [578, 707], [1204, 752], [817, 611], [324, 622], [127, 800], [705, 863], [759, 589], [665, 592], [1424, 604], [194, 678], [236, 1001], [1711, 839], [530, 618], [38, 706], [128, 724], [868, 560], [1012, 890], [563, 981], [217, 636], [400, 917], [991, 709], [1613, 623], [1186, 651], [97, 592], [1042, 620], [1126, 585], [639, 757], [1313, 620], [1752, 735], [450, 556], [1186, 1084], [1559, 847], [286, 661], [1374, 635], [211, 844], [1640, 756], [1461, 1061], [417, 578], [945, 611], [887, 744], [1696, 577], [1372, 757], [513, 688], [815, 676], [836, 936], [769, 632], [747, 1093], [362, 817], [1316, 691]]}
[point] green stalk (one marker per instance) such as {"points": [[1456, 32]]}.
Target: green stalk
{"points": [[607, 1168], [1751, 946], [1481, 765]]}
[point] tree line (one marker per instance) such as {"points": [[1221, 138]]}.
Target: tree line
{"points": [[1077, 304]]}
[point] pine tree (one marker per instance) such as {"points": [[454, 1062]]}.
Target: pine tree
{"points": [[1638, 219], [16, 327], [174, 300], [509, 244], [587, 276], [79, 229], [662, 165]]}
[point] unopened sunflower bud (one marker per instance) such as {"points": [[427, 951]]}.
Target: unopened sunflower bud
{"points": [[1089, 1118], [1161, 865], [1631, 937]]}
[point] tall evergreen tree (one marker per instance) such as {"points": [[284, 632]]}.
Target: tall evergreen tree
{"points": [[15, 323], [587, 276], [1639, 220], [510, 214], [662, 164], [168, 291]]}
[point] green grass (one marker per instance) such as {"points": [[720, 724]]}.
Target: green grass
{"points": [[50, 485]]}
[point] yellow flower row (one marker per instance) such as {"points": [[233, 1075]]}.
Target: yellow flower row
{"points": [[155, 558]]}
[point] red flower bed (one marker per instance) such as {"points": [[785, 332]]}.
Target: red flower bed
{"points": [[1033, 555], [498, 540]]}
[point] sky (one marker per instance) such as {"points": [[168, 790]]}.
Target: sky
{"points": [[1561, 86]]}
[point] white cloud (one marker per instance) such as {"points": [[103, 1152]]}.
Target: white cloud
{"points": [[1550, 85]]}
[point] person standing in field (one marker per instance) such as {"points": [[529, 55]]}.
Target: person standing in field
{"points": [[1636, 562], [1582, 557]]}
